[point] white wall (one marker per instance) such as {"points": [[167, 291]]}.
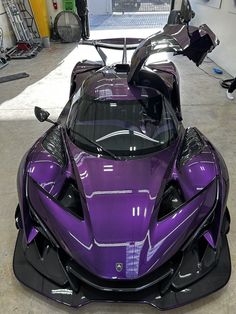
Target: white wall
{"points": [[8, 36], [52, 13], [223, 24]]}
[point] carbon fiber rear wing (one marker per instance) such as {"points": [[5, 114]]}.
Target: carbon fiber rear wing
{"points": [[114, 44], [193, 42]]}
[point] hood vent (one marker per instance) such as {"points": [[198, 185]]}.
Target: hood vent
{"points": [[70, 199]]}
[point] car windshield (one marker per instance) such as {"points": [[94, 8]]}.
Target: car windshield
{"points": [[122, 127]]}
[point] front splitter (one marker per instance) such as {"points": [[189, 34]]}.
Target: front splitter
{"points": [[213, 281]]}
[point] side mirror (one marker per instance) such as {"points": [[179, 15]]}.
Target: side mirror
{"points": [[42, 115]]}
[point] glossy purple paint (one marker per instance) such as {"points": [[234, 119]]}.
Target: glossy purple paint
{"points": [[120, 223]]}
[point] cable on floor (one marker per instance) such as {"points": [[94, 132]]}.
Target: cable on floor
{"points": [[226, 83], [213, 76]]}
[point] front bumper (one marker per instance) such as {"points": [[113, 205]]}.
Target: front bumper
{"points": [[55, 278]]}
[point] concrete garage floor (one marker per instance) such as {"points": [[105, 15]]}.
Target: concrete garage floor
{"points": [[204, 106]]}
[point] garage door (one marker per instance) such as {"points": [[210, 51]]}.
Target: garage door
{"points": [[140, 5], [128, 14]]}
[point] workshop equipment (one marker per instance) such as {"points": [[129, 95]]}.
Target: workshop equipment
{"points": [[29, 17], [69, 5], [3, 62], [17, 21], [68, 27], [27, 46], [23, 51], [3, 59], [55, 4]]}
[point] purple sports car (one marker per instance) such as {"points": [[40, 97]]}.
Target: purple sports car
{"points": [[117, 201]]}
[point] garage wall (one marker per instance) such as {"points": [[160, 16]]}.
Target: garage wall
{"points": [[223, 24], [8, 36], [52, 13]]}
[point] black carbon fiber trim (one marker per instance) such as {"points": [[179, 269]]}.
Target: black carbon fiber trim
{"points": [[193, 144], [53, 143]]}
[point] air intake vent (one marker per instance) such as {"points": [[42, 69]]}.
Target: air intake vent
{"points": [[122, 68], [171, 201], [70, 199]]}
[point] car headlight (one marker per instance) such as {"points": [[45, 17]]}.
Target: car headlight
{"points": [[193, 144]]}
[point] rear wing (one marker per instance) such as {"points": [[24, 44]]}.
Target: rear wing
{"points": [[115, 44], [193, 42]]}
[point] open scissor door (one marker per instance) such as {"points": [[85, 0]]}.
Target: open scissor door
{"points": [[193, 42]]}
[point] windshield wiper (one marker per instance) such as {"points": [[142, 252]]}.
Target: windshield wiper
{"points": [[108, 152]]}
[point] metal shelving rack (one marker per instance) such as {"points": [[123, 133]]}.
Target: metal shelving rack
{"points": [[22, 23]]}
